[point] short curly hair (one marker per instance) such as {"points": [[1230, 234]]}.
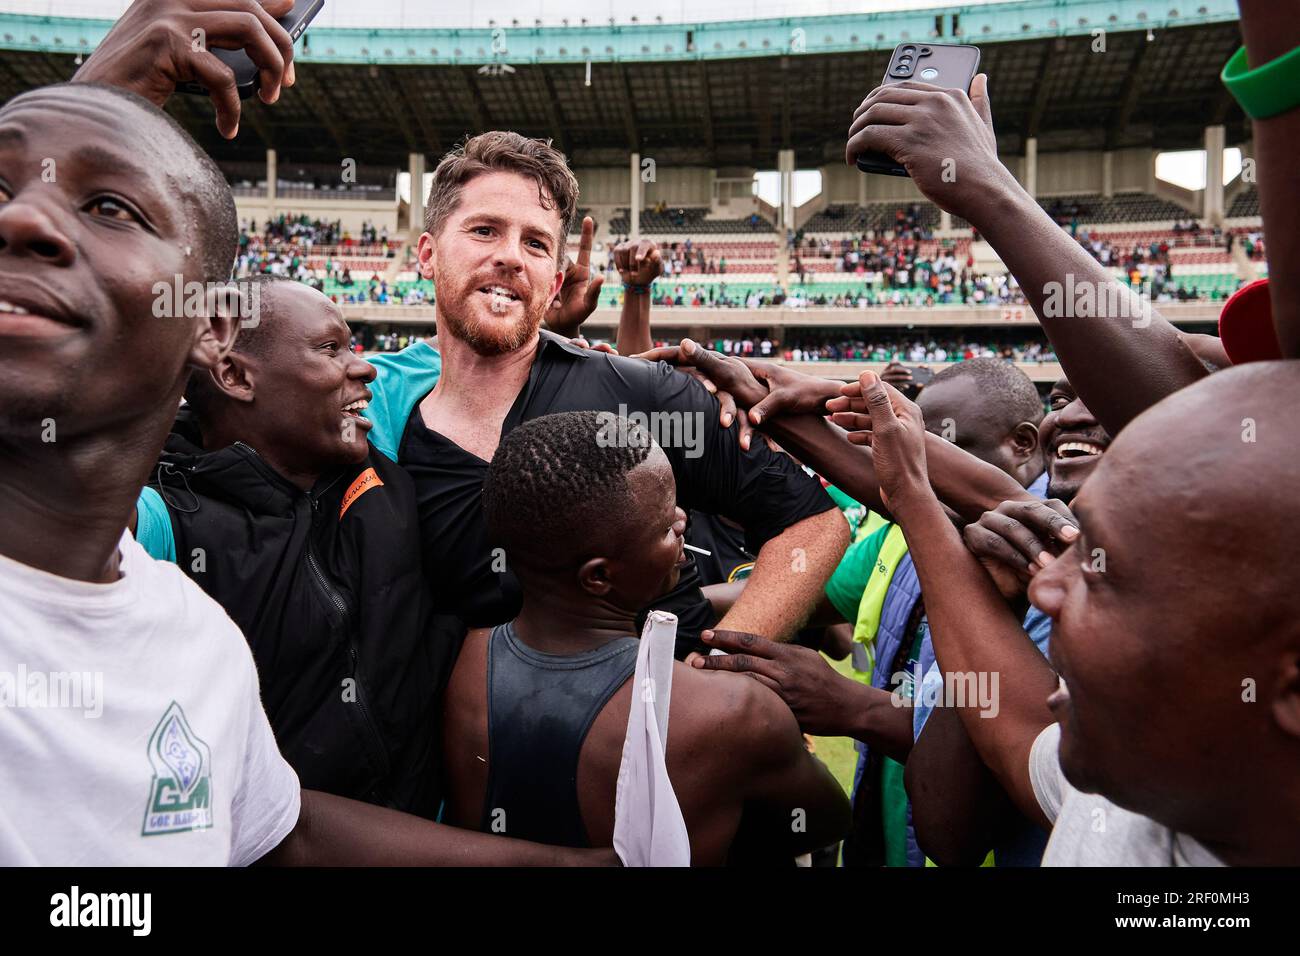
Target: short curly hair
{"points": [[1009, 393], [557, 486]]}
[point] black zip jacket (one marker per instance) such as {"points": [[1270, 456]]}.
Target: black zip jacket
{"points": [[328, 590]]}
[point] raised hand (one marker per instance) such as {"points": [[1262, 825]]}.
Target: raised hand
{"points": [[943, 138], [638, 263], [719, 375], [895, 430], [158, 44], [724, 374], [789, 392], [1018, 539], [900, 376], [580, 293], [811, 688]]}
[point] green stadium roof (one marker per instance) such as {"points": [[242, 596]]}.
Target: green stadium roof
{"points": [[718, 94]]}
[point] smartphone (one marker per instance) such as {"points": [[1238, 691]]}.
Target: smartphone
{"points": [[247, 78], [950, 66]]}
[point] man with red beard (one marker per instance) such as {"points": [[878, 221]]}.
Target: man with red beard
{"points": [[499, 209]]}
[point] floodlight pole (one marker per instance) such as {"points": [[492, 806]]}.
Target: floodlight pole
{"points": [[1212, 212], [272, 175], [634, 207], [415, 205], [1031, 166]]}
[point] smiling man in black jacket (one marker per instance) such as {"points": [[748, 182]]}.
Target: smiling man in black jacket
{"points": [[270, 497]]}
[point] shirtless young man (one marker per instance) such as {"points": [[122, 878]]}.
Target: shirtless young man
{"points": [[537, 708]]}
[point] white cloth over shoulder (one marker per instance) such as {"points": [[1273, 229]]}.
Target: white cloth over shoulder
{"points": [[648, 826]]}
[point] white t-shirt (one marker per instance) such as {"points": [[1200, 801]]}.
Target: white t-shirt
{"points": [[131, 727], [1089, 830]]}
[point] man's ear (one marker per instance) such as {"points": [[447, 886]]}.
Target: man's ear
{"points": [[426, 251], [558, 283], [215, 332], [234, 377], [1024, 439], [1286, 696], [562, 264], [594, 577]]}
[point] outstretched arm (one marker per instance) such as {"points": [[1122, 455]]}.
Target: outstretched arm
{"points": [[968, 485], [335, 831], [1120, 355], [159, 44], [638, 264], [972, 628], [1271, 30], [790, 570], [790, 407], [956, 801], [957, 804], [792, 526], [823, 701]]}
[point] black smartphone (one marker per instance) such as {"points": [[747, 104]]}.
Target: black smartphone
{"points": [[921, 375], [951, 66], [247, 78]]}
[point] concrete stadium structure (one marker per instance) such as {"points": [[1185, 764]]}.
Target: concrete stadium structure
{"points": [[1086, 93]]}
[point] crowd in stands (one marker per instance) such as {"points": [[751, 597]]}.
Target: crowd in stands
{"points": [[936, 284], [880, 217], [832, 346], [952, 349], [376, 290], [872, 253], [1252, 241], [284, 245], [678, 258], [896, 262], [306, 233], [1147, 261], [366, 339]]}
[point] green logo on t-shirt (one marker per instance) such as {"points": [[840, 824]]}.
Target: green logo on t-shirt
{"points": [[180, 796]]}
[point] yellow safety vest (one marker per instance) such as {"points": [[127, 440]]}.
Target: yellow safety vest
{"points": [[873, 599]]}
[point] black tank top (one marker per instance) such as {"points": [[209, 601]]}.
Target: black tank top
{"points": [[540, 707]]}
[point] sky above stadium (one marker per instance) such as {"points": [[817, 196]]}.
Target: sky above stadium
{"points": [[476, 13]]}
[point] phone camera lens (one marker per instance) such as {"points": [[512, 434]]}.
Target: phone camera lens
{"points": [[925, 51]]}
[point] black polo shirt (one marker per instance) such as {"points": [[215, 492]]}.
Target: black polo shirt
{"points": [[763, 491]]}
